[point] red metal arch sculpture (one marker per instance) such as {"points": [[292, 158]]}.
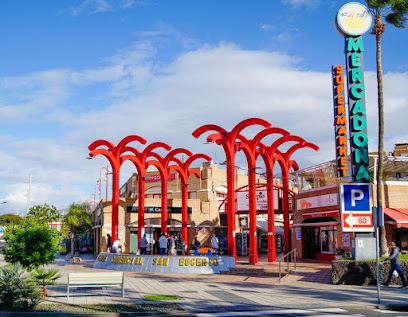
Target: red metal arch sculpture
{"points": [[249, 147], [113, 154], [139, 160], [184, 172], [227, 141], [283, 158], [162, 165]]}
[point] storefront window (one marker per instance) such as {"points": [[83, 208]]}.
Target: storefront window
{"points": [[327, 239]]}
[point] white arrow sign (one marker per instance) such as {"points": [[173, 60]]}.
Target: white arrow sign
{"points": [[358, 220]]}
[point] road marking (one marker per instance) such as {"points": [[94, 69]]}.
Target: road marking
{"points": [[285, 312]]}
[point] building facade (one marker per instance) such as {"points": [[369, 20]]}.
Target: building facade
{"points": [[317, 231], [206, 211]]}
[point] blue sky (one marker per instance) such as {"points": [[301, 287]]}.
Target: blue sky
{"points": [[75, 71]]}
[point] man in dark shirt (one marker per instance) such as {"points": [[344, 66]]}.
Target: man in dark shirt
{"points": [[109, 244], [395, 260]]}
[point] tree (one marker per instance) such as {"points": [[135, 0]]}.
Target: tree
{"points": [[31, 243], [395, 12], [8, 219], [76, 220], [45, 277], [44, 213]]}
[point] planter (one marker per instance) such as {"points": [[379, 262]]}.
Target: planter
{"points": [[363, 273]]}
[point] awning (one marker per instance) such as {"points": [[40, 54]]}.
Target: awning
{"points": [[221, 190], [317, 222], [399, 216], [318, 214], [263, 225]]}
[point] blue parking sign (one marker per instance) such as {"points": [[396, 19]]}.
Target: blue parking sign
{"points": [[357, 197]]}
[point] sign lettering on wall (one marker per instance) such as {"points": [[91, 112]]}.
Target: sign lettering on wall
{"points": [[340, 120], [261, 200], [155, 178], [158, 209], [317, 201], [164, 264]]}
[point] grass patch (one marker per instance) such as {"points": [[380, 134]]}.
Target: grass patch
{"points": [[110, 308], [161, 297]]}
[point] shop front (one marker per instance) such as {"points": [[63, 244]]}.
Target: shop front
{"points": [[319, 238]]}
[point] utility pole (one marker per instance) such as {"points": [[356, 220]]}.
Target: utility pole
{"points": [[28, 193]]}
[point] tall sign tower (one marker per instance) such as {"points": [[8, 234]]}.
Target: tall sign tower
{"points": [[352, 21]]}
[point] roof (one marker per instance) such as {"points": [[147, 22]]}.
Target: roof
{"points": [[399, 216], [394, 164]]}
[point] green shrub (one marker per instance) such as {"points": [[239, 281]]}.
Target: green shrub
{"points": [[17, 290], [45, 277], [31, 244]]}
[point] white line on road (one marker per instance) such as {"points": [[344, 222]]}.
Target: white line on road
{"points": [[288, 312]]}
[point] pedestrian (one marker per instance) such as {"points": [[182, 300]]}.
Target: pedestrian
{"points": [[214, 243], [109, 243], [143, 244], [179, 245], [116, 246], [163, 244], [172, 246], [395, 260], [197, 244]]}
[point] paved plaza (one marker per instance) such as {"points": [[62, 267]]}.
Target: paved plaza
{"points": [[251, 288]]}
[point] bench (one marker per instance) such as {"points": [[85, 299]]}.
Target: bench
{"points": [[98, 279]]}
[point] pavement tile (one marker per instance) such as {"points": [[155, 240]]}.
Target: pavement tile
{"points": [[308, 287]]}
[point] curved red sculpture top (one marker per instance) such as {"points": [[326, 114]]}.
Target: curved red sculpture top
{"points": [[113, 152], [232, 135]]}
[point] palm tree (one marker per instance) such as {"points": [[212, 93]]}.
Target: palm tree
{"points": [[77, 219], [395, 12], [45, 277]]}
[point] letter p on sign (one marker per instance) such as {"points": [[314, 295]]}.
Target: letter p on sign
{"points": [[356, 194], [356, 197]]}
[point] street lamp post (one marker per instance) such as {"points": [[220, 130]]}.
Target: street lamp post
{"points": [[227, 141], [113, 153], [106, 181]]}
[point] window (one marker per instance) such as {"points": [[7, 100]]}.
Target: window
{"points": [[327, 237], [192, 195]]}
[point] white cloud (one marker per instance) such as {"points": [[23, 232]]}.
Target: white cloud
{"points": [[101, 6], [301, 3], [220, 84], [267, 27]]}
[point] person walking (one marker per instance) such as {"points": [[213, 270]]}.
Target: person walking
{"points": [[163, 244], [197, 244], [172, 245], [109, 243], [179, 245], [116, 247], [214, 243], [143, 244], [395, 260]]}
